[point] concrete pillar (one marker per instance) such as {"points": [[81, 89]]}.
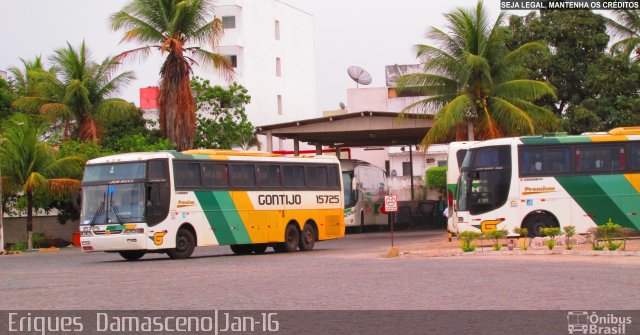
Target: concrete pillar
{"points": [[296, 148], [269, 142], [318, 149]]}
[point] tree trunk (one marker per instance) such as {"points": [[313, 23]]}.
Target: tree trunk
{"points": [[177, 108], [29, 220], [470, 130]]}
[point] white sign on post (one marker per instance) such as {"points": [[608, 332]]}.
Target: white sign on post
{"points": [[391, 203]]}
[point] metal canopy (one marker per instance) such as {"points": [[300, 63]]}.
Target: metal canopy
{"points": [[360, 129]]}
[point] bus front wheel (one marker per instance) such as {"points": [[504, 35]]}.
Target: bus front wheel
{"points": [[536, 222], [132, 255], [185, 243]]}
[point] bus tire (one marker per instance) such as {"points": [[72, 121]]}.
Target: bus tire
{"points": [[291, 240], [241, 249], [259, 248], [185, 243], [307, 238], [360, 229], [132, 255], [535, 222]]}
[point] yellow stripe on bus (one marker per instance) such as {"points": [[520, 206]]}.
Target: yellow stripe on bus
{"points": [[634, 180], [609, 138]]}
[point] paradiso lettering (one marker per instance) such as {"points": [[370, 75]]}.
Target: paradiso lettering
{"points": [[279, 199]]}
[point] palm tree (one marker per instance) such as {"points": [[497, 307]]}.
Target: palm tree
{"points": [[475, 84], [168, 25], [29, 165], [78, 92], [25, 82], [627, 27]]}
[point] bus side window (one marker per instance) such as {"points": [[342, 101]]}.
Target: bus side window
{"points": [[635, 156], [158, 192]]}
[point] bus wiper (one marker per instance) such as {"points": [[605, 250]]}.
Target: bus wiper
{"points": [[98, 211], [115, 210]]}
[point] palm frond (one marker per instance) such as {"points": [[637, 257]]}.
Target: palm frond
{"points": [[452, 114], [525, 89]]}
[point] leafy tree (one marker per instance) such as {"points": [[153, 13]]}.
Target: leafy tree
{"points": [[578, 39], [30, 165], [596, 90], [222, 121], [78, 93], [168, 26], [471, 78], [129, 134], [7, 96], [24, 80], [627, 27]]}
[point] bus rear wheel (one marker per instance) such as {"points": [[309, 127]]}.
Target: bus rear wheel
{"points": [[307, 238], [535, 222], [132, 255], [241, 249], [185, 243]]}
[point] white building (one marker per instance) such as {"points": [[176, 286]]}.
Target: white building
{"points": [[3, 75], [271, 45]]}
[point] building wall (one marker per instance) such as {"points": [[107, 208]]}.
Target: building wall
{"points": [[15, 229], [3, 75], [255, 44], [372, 99]]}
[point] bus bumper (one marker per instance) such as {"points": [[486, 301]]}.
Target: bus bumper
{"points": [[350, 219], [114, 242]]}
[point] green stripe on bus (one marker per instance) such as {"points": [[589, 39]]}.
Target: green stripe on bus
{"points": [[554, 140], [223, 217], [624, 194], [598, 202]]}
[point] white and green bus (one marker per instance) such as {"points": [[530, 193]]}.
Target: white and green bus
{"points": [[551, 181], [455, 156], [171, 202], [365, 186]]}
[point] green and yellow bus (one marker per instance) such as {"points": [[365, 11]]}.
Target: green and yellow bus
{"points": [[171, 202], [551, 181]]}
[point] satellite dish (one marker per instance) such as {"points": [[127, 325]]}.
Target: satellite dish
{"points": [[359, 75], [342, 106]]}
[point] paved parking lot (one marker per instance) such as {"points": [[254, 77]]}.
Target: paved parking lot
{"points": [[343, 274]]}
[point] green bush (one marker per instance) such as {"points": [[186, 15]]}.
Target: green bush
{"points": [[467, 239], [496, 236], [552, 233], [569, 231], [39, 240], [523, 232], [609, 231], [436, 177], [18, 246]]}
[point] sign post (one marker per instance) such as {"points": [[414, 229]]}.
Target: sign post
{"points": [[391, 207]]}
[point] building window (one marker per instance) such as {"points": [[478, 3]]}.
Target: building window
{"points": [[277, 31], [233, 59], [279, 104], [406, 168], [229, 22], [278, 67], [442, 163]]}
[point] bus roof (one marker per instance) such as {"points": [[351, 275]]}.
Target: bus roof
{"points": [[206, 154]]}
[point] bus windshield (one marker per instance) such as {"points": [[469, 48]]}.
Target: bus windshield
{"points": [[118, 204], [349, 193], [484, 180]]}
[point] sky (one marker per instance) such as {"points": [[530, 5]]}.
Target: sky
{"points": [[366, 33]]}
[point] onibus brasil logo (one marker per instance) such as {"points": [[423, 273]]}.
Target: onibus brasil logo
{"points": [[582, 322]]}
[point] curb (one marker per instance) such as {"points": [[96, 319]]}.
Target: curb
{"points": [[49, 249], [554, 252]]}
